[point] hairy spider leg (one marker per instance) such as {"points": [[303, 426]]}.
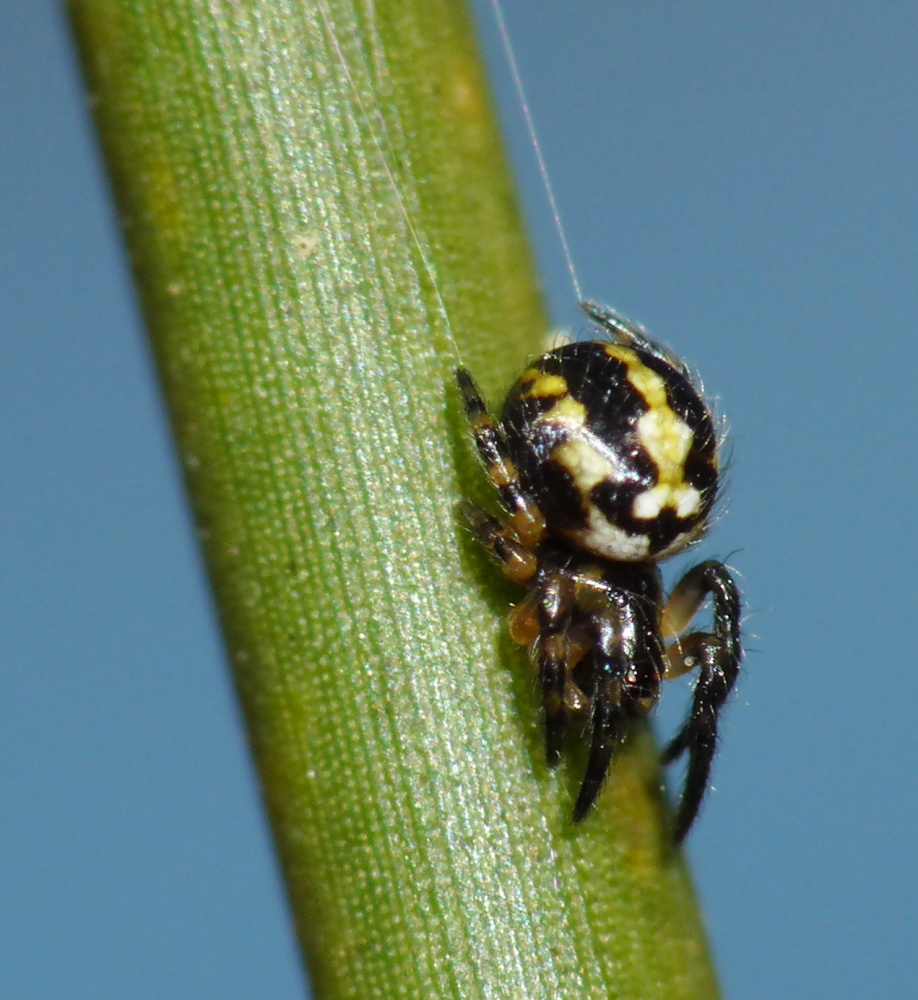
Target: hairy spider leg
{"points": [[615, 648], [718, 655], [624, 331], [553, 653], [541, 622], [526, 518], [518, 562]]}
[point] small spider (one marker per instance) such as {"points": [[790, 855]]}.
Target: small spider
{"points": [[605, 459]]}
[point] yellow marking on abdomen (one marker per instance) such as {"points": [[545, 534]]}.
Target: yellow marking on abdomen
{"points": [[666, 438], [543, 384]]}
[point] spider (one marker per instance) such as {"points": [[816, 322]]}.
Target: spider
{"points": [[605, 458]]}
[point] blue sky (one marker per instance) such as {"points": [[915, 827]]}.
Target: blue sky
{"points": [[741, 178]]}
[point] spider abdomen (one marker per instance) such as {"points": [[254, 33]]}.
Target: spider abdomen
{"points": [[617, 448]]}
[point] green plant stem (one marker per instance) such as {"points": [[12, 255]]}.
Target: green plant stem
{"points": [[320, 220]]}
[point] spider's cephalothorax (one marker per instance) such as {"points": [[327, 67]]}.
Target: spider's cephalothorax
{"points": [[606, 460]]}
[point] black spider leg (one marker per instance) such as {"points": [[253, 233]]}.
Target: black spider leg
{"points": [[614, 650], [719, 655], [553, 649], [629, 333]]}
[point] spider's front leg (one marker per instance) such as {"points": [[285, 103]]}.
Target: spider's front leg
{"points": [[541, 622], [628, 661], [544, 622], [526, 519], [613, 653], [606, 737], [718, 656], [516, 560]]}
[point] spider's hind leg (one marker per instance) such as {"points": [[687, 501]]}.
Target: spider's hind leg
{"points": [[718, 656]]}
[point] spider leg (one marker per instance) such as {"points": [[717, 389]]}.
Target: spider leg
{"points": [[718, 655], [525, 515], [626, 332], [541, 622], [614, 648], [518, 562], [553, 650], [687, 596], [607, 733]]}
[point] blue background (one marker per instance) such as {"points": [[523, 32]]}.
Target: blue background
{"points": [[741, 178]]}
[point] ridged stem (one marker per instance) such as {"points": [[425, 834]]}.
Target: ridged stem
{"points": [[321, 221]]}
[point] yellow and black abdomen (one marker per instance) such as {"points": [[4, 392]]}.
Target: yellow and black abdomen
{"points": [[616, 446]]}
